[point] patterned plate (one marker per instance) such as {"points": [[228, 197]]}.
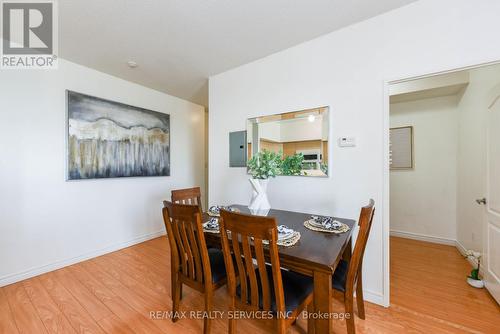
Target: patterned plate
{"points": [[214, 211], [211, 226], [325, 224]]}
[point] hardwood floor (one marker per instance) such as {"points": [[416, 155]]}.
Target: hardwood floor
{"points": [[115, 293]]}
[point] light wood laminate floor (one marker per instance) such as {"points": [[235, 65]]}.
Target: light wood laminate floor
{"points": [[115, 293]]}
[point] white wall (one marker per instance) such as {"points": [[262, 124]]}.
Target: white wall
{"points": [[46, 222], [472, 156], [346, 70], [424, 199]]}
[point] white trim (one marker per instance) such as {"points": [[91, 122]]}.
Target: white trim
{"points": [[386, 201], [423, 237], [13, 278], [472, 261], [462, 251], [374, 297], [431, 73]]}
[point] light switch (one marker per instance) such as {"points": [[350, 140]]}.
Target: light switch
{"points": [[347, 141]]}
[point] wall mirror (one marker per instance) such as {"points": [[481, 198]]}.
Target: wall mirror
{"points": [[300, 137]]}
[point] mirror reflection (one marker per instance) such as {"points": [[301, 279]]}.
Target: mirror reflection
{"points": [[300, 138]]}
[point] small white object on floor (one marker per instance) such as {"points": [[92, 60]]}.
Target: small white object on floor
{"points": [[475, 282]]}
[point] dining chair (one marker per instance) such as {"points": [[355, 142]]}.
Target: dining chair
{"points": [[347, 275], [192, 263], [261, 287], [187, 196]]}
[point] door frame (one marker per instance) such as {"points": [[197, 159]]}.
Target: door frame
{"points": [[493, 99], [385, 161]]}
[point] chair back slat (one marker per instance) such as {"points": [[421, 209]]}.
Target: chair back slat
{"points": [[179, 245], [188, 196], [241, 266], [187, 241], [250, 270], [187, 247], [264, 279], [245, 233], [277, 280], [355, 263], [196, 253]]}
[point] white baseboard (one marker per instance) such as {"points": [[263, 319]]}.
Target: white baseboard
{"points": [[13, 278], [423, 237], [472, 261], [374, 297], [461, 248]]}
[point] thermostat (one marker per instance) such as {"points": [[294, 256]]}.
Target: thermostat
{"points": [[347, 141]]}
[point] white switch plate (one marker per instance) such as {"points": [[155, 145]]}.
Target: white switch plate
{"points": [[347, 141]]}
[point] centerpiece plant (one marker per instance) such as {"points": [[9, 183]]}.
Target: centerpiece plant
{"points": [[267, 164], [264, 165]]}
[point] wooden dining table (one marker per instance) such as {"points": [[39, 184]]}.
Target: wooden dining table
{"points": [[316, 254]]}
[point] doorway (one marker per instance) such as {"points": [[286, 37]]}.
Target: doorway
{"points": [[445, 191]]}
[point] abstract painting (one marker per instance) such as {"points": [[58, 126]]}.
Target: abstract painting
{"points": [[109, 139]]}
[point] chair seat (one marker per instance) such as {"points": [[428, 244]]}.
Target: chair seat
{"points": [[217, 265], [340, 276], [296, 288]]}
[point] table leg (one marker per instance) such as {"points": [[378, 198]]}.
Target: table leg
{"points": [[322, 302]]}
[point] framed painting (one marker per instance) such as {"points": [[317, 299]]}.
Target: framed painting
{"points": [[107, 139], [401, 152]]}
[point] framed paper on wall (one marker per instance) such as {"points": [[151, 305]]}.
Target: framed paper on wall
{"points": [[401, 148], [107, 139]]}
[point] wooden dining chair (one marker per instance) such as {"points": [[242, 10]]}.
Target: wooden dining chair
{"points": [[261, 287], [187, 196], [191, 262], [348, 273]]}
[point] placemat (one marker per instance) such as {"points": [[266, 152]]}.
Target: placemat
{"points": [[288, 242], [309, 224]]}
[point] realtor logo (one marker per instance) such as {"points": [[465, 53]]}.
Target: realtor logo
{"points": [[29, 37]]}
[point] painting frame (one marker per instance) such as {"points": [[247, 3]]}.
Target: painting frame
{"points": [[166, 172], [410, 151]]}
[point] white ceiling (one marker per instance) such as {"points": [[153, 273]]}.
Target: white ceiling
{"points": [[178, 44]]}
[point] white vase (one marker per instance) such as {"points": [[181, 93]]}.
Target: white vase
{"points": [[259, 204]]}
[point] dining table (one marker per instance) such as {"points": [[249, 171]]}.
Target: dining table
{"points": [[316, 254]]}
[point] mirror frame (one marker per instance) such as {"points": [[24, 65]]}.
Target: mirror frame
{"points": [[327, 111]]}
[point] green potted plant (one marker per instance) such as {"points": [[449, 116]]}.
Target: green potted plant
{"points": [[473, 279], [262, 166], [324, 167], [292, 164]]}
